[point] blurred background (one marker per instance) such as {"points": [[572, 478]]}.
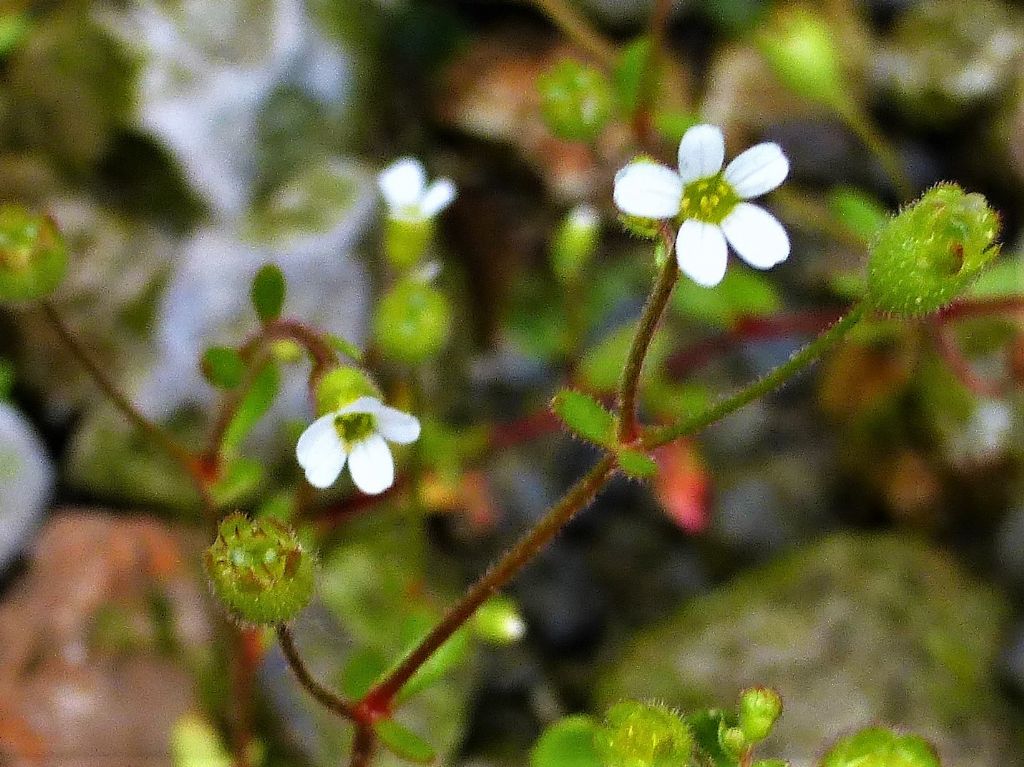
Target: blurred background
{"points": [[856, 540]]}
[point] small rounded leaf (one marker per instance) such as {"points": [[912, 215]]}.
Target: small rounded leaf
{"points": [[404, 743], [931, 252], [259, 570], [33, 254], [222, 366], [569, 742], [584, 416], [637, 464], [801, 50], [268, 289], [881, 747]]}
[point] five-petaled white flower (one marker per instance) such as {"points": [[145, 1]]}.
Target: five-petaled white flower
{"points": [[710, 203], [403, 184], [356, 432]]}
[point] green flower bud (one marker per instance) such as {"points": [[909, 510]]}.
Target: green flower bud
{"points": [[760, 707], [576, 100], [406, 240], [259, 570], [498, 621], [575, 243], [412, 322], [931, 251], [638, 226], [879, 747], [802, 51], [33, 254], [644, 735], [732, 740], [342, 386]]}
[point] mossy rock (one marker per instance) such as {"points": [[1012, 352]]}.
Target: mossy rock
{"points": [[854, 630]]}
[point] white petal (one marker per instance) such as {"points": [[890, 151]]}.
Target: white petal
{"points": [[402, 183], [756, 235], [648, 190], [758, 170], [438, 196], [396, 426], [701, 252], [320, 452], [701, 152], [370, 405], [371, 464]]}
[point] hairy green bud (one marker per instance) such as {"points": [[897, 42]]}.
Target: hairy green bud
{"points": [[259, 570], [759, 709], [576, 100], [412, 322], [732, 740], [931, 251], [879, 747], [575, 243], [33, 254], [342, 386], [644, 735]]}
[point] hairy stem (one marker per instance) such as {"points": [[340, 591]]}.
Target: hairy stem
{"points": [[881, 148], [181, 455], [325, 697], [577, 498], [576, 27], [772, 380], [655, 307]]}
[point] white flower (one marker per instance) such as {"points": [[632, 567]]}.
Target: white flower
{"points": [[403, 184], [356, 433], [711, 203]]}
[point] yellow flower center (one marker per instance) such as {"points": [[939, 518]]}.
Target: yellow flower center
{"points": [[708, 199], [353, 427]]}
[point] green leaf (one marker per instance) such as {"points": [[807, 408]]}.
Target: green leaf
{"points": [[364, 667], [268, 288], [568, 742], [859, 212], [254, 406], [1004, 279], [637, 464], [584, 416], [742, 293], [404, 743], [705, 725], [238, 481], [344, 346], [629, 74], [451, 654], [223, 367], [195, 743]]}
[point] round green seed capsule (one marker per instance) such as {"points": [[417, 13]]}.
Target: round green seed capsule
{"points": [[931, 251], [33, 254], [259, 570], [412, 322], [879, 747], [576, 100], [644, 735]]}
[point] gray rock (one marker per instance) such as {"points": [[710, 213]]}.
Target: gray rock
{"points": [[852, 631], [26, 482]]}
